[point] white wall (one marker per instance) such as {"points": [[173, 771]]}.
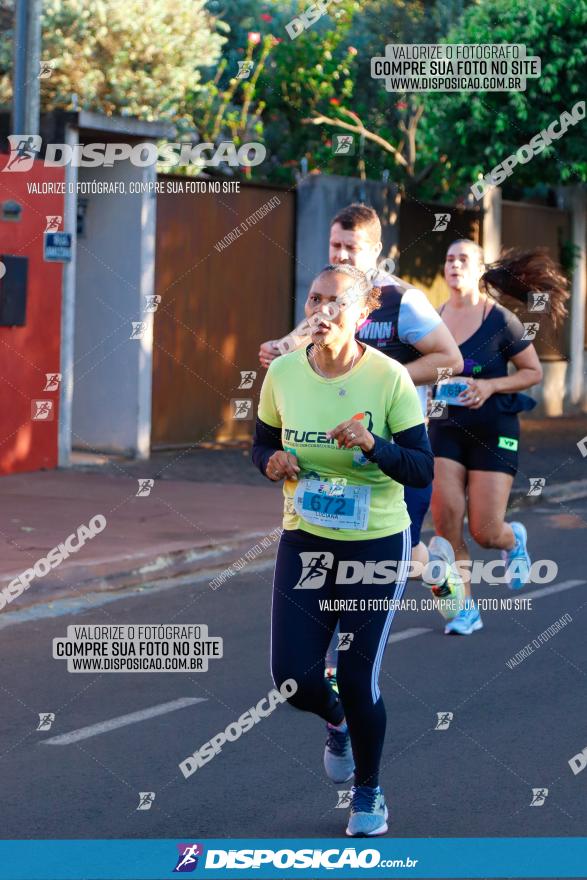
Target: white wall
{"points": [[114, 272]]}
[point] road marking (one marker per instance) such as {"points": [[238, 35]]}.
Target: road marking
{"points": [[65, 739], [410, 633], [548, 591]]}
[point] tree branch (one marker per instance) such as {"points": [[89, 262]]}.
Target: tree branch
{"points": [[358, 129]]}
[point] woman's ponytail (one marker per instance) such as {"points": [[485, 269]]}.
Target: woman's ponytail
{"points": [[519, 273]]}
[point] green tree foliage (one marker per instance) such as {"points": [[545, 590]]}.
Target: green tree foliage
{"points": [[391, 117], [382, 22], [137, 57], [6, 26], [307, 74], [292, 78], [478, 131], [325, 72], [228, 107]]}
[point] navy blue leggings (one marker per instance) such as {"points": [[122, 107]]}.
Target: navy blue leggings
{"points": [[301, 628], [417, 502]]}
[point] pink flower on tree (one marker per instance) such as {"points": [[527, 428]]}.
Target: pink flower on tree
{"points": [[254, 37]]}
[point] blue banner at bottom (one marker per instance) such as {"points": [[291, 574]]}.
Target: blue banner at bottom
{"points": [[270, 858]]}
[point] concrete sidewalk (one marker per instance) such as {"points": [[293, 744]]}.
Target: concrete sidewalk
{"points": [[206, 508], [180, 526]]}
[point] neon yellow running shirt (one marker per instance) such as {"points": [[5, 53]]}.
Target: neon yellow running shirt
{"points": [[305, 406]]}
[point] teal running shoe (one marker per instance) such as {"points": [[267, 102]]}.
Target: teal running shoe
{"points": [[368, 812], [448, 589], [465, 623], [338, 755], [517, 561]]}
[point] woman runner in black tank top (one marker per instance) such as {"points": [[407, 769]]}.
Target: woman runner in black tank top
{"points": [[474, 425]]}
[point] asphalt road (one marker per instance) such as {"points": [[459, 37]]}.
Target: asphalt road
{"points": [[513, 729]]}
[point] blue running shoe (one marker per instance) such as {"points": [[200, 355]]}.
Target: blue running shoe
{"points": [[368, 812], [465, 623], [338, 755], [517, 561]]}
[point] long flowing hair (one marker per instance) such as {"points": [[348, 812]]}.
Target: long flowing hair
{"points": [[518, 273]]}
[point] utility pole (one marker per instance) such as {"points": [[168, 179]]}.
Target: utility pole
{"points": [[26, 67]]}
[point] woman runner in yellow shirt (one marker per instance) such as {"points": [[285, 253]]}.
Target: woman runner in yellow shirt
{"points": [[341, 424]]}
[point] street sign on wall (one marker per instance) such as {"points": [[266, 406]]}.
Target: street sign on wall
{"points": [[57, 247]]}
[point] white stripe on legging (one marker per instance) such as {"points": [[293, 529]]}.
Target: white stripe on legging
{"points": [[402, 576], [271, 622]]}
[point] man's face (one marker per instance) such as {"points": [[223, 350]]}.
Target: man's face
{"points": [[354, 247]]}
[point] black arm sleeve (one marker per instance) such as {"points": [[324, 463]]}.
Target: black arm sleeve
{"points": [[409, 460], [266, 441]]}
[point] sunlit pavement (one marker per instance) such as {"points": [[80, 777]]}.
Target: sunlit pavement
{"points": [[513, 729]]}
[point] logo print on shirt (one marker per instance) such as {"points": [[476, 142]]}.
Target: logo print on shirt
{"points": [[318, 438], [471, 367], [376, 330], [358, 417]]}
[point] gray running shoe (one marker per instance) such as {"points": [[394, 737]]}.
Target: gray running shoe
{"points": [[338, 755], [368, 812]]}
